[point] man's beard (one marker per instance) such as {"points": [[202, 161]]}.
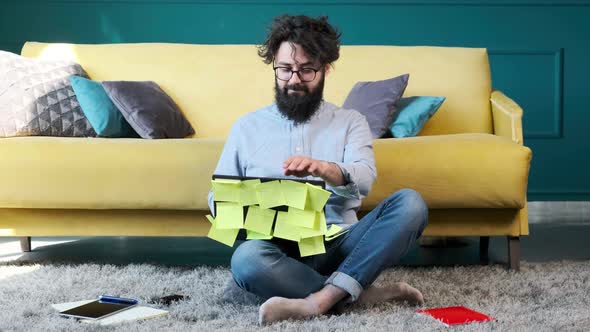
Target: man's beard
{"points": [[299, 107]]}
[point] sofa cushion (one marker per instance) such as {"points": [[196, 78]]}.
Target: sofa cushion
{"points": [[148, 109], [104, 173], [104, 116], [450, 171], [453, 171], [376, 100], [37, 99]]}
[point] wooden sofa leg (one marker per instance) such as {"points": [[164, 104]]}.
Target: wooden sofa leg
{"points": [[514, 253], [484, 244], [25, 243]]}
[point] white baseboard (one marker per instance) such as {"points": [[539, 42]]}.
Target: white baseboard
{"points": [[575, 212]]}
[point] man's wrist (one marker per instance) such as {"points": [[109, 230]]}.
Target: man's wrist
{"points": [[333, 174]]}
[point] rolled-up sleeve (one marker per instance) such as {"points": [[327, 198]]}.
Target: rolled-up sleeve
{"points": [[229, 161], [358, 165]]}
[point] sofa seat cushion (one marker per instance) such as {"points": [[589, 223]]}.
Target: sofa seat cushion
{"points": [[453, 171], [100, 173]]}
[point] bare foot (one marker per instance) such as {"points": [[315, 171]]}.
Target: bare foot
{"points": [[279, 308], [400, 291]]}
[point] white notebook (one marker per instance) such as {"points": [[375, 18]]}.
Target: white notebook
{"points": [[135, 313]]}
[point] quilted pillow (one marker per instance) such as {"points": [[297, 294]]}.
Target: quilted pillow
{"points": [[37, 99]]}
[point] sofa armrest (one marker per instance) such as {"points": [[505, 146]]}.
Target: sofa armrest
{"points": [[507, 117]]}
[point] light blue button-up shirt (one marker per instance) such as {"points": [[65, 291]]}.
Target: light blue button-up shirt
{"points": [[259, 143]]}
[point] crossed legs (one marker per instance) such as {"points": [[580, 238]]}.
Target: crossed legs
{"points": [[299, 288]]}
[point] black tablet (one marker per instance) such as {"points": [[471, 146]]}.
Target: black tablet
{"points": [[319, 183], [266, 179]]}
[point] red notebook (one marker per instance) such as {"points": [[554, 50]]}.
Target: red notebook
{"points": [[456, 315]]}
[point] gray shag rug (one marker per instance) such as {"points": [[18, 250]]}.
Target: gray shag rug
{"points": [[542, 297]]}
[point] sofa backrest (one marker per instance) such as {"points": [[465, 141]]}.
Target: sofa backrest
{"points": [[216, 84]]}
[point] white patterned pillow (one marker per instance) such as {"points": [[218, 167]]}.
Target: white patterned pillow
{"points": [[37, 99]]}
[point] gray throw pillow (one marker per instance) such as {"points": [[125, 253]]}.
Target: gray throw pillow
{"points": [[37, 99], [376, 101], [148, 109]]}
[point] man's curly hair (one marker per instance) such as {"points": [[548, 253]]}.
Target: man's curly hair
{"points": [[319, 40]]}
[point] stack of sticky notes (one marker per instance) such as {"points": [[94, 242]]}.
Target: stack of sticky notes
{"points": [[304, 221]]}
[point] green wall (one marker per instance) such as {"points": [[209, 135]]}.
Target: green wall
{"points": [[538, 51]]}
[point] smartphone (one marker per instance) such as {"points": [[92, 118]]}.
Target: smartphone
{"points": [[103, 307]]}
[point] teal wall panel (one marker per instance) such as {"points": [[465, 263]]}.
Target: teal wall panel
{"points": [[538, 74], [538, 51]]}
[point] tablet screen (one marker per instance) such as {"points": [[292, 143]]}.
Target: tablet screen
{"points": [[96, 309]]}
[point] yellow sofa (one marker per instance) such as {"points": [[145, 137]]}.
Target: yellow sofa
{"points": [[469, 162]]}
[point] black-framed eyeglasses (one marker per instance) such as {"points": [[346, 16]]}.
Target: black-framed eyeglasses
{"points": [[305, 74]]}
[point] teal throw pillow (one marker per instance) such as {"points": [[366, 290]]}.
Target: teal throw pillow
{"points": [[103, 115], [413, 114]]}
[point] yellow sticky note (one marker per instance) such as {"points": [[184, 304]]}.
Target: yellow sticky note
{"points": [[229, 215], [270, 194], [226, 190], [225, 236], [248, 192], [319, 227], [334, 229], [334, 232], [302, 218], [251, 235], [259, 220], [322, 220], [317, 197], [312, 246], [284, 230], [295, 193]]}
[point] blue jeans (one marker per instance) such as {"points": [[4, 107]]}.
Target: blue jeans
{"points": [[352, 261]]}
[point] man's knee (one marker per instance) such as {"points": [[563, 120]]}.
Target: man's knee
{"points": [[414, 209], [251, 260]]}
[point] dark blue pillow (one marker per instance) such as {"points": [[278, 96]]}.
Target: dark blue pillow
{"points": [[148, 109], [376, 101]]}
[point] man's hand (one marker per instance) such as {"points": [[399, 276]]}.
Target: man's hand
{"points": [[301, 166]]}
